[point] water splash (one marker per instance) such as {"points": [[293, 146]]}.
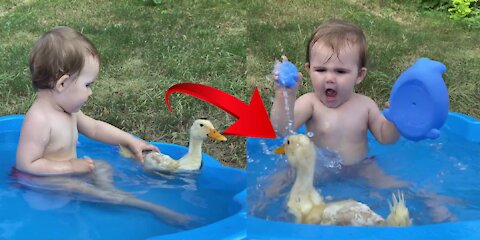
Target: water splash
{"points": [[329, 158], [250, 159], [265, 149], [289, 126], [276, 68]]}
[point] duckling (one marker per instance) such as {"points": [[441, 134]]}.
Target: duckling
{"points": [[199, 131], [308, 206]]}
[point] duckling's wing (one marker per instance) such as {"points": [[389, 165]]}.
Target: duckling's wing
{"points": [[190, 163], [125, 152], [155, 161], [350, 212]]}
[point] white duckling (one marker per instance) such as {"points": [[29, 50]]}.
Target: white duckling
{"points": [[199, 131], [307, 205]]}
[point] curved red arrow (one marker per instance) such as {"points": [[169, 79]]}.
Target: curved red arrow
{"points": [[253, 120]]}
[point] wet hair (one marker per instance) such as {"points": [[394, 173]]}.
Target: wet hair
{"points": [[337, 35], [57, 52]]}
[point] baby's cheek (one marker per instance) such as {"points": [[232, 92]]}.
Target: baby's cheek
{"points": [[318, 86]]}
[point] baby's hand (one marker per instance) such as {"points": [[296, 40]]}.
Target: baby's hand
{"points": [[280, 86], [138, 146], [82, 165]]}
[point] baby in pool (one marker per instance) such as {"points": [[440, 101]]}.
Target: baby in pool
{"points": [[338, 117], [64, 65]]}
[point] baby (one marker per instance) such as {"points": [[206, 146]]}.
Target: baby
{"points": [[338, 117], [64, 65]]}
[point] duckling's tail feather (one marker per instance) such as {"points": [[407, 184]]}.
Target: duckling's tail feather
{"points": [[399, 214], [125, 152]]}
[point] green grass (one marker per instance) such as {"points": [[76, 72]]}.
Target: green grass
{"points": [[230, 45]]}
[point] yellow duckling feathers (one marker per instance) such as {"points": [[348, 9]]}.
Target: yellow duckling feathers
{"points": [[158, 161], [307, 205], [153, 160], [199, 131], [125, 152], [399, 214]]}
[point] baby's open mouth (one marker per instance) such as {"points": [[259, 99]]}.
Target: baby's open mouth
{"points": [[330, 93]]}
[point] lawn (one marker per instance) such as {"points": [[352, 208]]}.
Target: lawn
{"points": [[230, 45], [144, 49]]}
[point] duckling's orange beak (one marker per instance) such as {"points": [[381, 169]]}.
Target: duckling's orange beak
{"points": [[280, 150], [216, 135]]}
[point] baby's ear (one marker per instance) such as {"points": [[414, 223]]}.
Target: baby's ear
{"points": [[362, 72], [307, 67], [60, 85]]}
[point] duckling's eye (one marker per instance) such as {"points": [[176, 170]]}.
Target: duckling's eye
{"points": [[201, 124], [288, 142]]}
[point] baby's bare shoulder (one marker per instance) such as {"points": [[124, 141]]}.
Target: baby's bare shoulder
{"points": [[36, 115], [363, 100], [304, 100], [36, 123], [308, 98]]}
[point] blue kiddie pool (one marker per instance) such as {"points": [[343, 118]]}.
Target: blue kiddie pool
{"points": [[443, 196], [215, 195]]}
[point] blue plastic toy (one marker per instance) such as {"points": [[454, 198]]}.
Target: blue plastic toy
{"points": [[288, 74], [419, 100]]}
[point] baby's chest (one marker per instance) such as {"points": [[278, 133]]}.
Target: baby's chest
{"points": [[331, 122], [63, 136]]}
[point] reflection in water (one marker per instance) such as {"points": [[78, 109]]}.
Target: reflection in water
{"points": [[45, 200]]}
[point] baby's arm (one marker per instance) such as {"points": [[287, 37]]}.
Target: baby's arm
{"points": [[107, 133], [302, 111], [34, 138], [384, 131]]}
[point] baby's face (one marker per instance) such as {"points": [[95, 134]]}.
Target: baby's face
{"points": [[334, 76], [78, 88]]}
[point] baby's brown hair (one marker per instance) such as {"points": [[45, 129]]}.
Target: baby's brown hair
{"points": [[58, 52], [337, 34]]}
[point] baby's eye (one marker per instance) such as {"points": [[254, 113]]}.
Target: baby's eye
{"points": [[320, 70], [90, 84], [341, 71]]}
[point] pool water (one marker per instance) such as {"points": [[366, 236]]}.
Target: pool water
{"points": [[443, 177], [205, 195]]}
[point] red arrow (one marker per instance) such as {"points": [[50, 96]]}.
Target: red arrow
{"points": [[253, 120]]}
